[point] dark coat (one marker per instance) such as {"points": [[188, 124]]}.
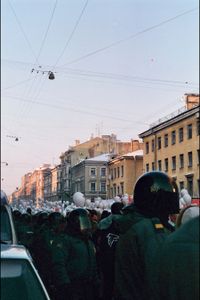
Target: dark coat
{"points": [[136, 267], [74, 268], [179, 265]]}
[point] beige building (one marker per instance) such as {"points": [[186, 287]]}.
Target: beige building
{"points": [[80, 151], [123, 172], [52, 184], [32, 184], [172, 145]]}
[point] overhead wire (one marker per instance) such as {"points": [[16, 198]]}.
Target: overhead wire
{"points": [[39, 53], [72, 34], [47, 30], [129, 37], [22, 30], [73, 109], [25, 107], [109, 75], [126, 77], [16, 84]]}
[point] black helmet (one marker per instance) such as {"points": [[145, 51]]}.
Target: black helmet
{"points": [[156, 194], [4, 198], [78, 221], [116, 208], [55, 218]]}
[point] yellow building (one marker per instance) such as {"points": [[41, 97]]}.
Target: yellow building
{"points": [[172, 145], [123, 173]]}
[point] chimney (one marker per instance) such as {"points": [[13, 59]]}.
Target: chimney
{"points": [[77, 142], [192, 100], [135, 145]]}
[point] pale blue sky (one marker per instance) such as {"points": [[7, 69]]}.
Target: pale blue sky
{"points": [[119, 65]]}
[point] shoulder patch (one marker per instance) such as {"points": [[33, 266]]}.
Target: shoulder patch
{"points": [[158, 226]]}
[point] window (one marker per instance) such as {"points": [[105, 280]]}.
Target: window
{"points": [[173, 137], [115, 172], [166, 140], [111, 192], [103, 171], [190, 185], [166, 164], [181, 161], [118, 172], [181, 185], [111, 174], [159, 142], [92, 186], [147, 167], [160, 165], [103, 186], [114, 190], [180, 132], [122, 188], [118, 190], [147, 147], [153, 145], [198, 156], [122, 171], [93, 171], [198, 127], [173, 162], [189, 131], [189, 159], [153, 166]]}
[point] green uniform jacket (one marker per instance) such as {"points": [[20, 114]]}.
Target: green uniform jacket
{"points": [[73, 259], [136, 266], [180, 261]]}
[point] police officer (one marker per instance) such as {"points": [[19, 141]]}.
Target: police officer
{"points": [[143, 229], [179, 264], [107, 237], [74, 261]]}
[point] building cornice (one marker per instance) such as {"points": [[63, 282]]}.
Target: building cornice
{"points": [[170, 122]]}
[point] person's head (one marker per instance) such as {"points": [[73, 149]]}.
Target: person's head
{"points": [[78, 221], [42, 218], [55, 219], [105, 214], [186, 214], [4, 198], [156, 195], [29, 211], [93, 215], [116, 208]]}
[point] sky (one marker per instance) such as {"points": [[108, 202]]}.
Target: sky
{"points": [[119, 66]]}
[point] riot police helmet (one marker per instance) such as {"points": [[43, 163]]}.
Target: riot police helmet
{"points": [[78, 221], [156, 194]]}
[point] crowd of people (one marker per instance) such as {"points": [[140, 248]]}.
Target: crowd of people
{"points": [[147, 250]]}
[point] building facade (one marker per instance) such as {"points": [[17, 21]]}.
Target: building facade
{"points": [[123, 172], [172, 145], [89, 149], [89, 177]]}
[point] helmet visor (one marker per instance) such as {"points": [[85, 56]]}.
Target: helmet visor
{"points": [[84, 222]]}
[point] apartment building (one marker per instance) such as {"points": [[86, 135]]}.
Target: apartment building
{"points": [[89, 176], [32, 184], [52, 184], [123, 171], [91, 148], [172, 145]]}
